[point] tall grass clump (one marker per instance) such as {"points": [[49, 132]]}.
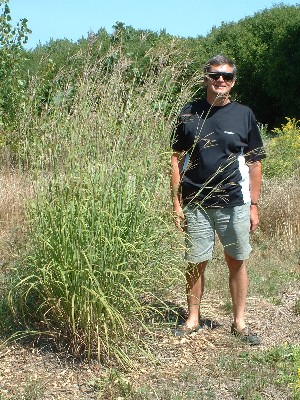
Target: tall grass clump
{"points": [[99, 237]]}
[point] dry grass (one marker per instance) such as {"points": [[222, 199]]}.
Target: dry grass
{"points": [[15, 190], [12, 192], [280, 211]]}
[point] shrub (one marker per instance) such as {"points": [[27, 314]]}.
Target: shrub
{"points": [[283, 151]]}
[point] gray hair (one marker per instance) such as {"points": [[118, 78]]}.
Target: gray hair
{"points": [[220, 60]]}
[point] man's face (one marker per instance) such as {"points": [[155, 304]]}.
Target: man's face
{"points": [[219, 85]]}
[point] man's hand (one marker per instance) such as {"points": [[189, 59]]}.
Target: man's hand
{"points": [[179, 218], [254, 219], [255, 183]]}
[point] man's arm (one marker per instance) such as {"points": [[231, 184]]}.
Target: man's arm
{"points": [[255, 176], [176, 162]]}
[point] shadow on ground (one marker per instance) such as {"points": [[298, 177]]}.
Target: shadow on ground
{"points": [[171, 313]]}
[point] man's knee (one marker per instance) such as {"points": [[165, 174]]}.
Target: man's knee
{"points": [[197, 268], [233, 263]]}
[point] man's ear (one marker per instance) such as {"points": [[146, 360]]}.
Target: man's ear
{"points": [[205, 80]]}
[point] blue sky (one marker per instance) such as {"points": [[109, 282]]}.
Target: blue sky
{"points": [[73, 19]]}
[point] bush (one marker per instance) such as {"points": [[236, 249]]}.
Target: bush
{"points": [[283, 151]]}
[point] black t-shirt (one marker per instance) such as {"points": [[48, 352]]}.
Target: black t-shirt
{"points": [[218, 143]]}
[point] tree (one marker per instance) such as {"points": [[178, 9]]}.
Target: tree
{"points": [[12, 55], [266, 50]]}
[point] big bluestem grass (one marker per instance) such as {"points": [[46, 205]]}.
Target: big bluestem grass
{"points": [[100, 235]]}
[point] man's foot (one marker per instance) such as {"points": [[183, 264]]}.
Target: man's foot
{"points": [[246, 336], [184, 330]]}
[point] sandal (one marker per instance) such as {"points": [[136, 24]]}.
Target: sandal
{"points": [[246, 336], [183, 330]]}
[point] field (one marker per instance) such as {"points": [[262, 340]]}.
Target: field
{"points": [[91, 265]]}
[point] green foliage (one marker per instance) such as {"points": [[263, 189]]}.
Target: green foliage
{"points": [[264, 46], [12, 55], [266, 49], [283, 151]]}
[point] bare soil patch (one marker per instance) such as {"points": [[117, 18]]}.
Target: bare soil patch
{"points": [[29, 371]]}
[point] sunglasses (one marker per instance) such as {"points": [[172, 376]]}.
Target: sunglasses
{"points": [[227, 76]]}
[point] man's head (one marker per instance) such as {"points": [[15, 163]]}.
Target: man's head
{"points": [[219, 60], [219, 78]]}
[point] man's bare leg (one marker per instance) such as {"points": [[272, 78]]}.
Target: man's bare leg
{"points": [[238, 284], [194, 291]]}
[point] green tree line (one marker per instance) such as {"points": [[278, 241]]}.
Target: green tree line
{"points": [[265, 46]]}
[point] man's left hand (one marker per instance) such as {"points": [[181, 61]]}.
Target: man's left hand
{"points": [[254, 219]]}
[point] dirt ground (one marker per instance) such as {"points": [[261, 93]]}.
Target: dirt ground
{"points": [[30, 373]]}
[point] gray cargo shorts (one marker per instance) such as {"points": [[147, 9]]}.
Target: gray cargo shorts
{"points": [[232, 225]]}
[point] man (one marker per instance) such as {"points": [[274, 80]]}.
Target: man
{"points": [[215, 182]]}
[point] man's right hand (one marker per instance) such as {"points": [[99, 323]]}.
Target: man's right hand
{"points": [[179, 218], [175, 179]]}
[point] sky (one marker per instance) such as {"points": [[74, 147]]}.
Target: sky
{"points": [[74, 19]]}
